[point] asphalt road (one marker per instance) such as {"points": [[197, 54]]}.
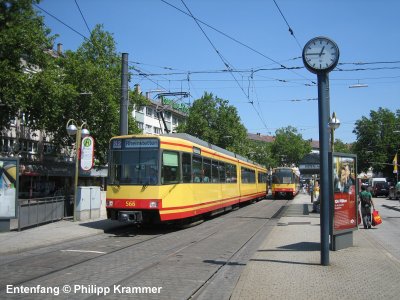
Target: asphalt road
{"points": [[387, 233]]}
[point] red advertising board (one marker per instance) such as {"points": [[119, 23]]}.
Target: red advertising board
{"points": [[345, 211], [344, 193]]}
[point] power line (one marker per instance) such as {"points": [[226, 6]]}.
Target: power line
{"points": [[141, 73], [74, 30], [290, 29], [225, 63], [239, 42], [87, 26], [370, 63]]}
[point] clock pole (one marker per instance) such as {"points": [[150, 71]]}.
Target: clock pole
{"points": [[320, 56], [323, 114]]}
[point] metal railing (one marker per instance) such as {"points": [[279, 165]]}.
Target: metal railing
{"points": [[32, 212]]}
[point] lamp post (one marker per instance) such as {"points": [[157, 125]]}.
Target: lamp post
{"points": [[74, 129], [334, 124]]}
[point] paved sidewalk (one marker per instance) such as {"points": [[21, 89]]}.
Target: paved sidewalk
{"points": [[287, 265], [53, 233]]}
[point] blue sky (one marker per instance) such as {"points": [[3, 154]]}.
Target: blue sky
{"points": [[160, 39]]}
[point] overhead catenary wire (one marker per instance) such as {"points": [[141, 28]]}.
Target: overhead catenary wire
{"points": [[290, 28], [83, 17], [226, 63], [338, 69], [65, 24], [237, 41]]}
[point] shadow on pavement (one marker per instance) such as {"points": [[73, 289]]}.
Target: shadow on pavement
{"points": [[302, 246], [391, 207], [285, 262], [223, 262]]}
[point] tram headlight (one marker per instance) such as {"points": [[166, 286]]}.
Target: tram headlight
{"points": [[109, 203], [153, 204]]}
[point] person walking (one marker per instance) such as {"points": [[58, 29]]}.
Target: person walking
{"points": [[366, 203]]}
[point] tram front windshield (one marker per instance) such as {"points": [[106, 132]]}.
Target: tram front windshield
{"points": [[138, 166], [282, 176]]}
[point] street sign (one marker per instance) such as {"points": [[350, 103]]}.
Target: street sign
{"points": [[87, 153]]}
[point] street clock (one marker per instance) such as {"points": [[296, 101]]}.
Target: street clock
{"points": [[320, 55]]}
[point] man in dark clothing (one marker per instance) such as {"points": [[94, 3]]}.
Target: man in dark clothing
{"points": [[366, 203]]}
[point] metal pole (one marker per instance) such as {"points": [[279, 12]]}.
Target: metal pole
{"points": [[123, 118], [78, 149], [323, 113]]}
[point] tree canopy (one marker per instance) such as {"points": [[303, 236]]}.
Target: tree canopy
{"points": [[50, 88], [377, 140], [24, 40], [289, 147], [212, 119]]}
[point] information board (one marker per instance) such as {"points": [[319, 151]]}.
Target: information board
{"points": [[9, 170], [87, 153]]}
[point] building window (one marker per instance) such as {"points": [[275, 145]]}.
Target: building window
{"points": [[140, 125], [140, 109], [167, 115], [149, 111], [157, 130], [149, 128], [48, 148], [174, 120]]}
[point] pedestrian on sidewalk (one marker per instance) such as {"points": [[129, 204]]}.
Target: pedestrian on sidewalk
{"points": [[317, 205], [366, 203]]}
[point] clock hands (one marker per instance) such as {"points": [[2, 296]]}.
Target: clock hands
{"points": [[318, 53], [322, 50]]}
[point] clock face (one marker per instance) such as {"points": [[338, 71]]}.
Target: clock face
{"points": [[320, 55]]}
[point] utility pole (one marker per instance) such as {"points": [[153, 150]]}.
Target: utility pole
{"points": [[123, 113]]}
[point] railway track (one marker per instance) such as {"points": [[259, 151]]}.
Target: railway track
{"points": [[187, 264]]}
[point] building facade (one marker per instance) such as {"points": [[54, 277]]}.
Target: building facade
{"points": [[160, 116]]}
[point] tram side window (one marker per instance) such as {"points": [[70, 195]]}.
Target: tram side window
{"points": [[186, 167], [170, 167], [197, 163], [245, 179], [222, 172], [215, 172], [207, 170], [262, 177], [248, 175], [231, 174]]}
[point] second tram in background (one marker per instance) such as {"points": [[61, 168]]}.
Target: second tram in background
{"points": [[285, 182]]}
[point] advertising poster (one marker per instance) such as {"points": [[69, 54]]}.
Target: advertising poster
{"points": [[344, 193], [8, 187]]}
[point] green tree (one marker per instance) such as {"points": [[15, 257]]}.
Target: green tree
{"points": [[342, 147], [377, 140], [212, 119], [261, 152], [94, 71], [24, 40], [289, 147]]}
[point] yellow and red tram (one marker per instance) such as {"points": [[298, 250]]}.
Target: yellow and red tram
{"points": [[285, 182], [177, 177]]}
